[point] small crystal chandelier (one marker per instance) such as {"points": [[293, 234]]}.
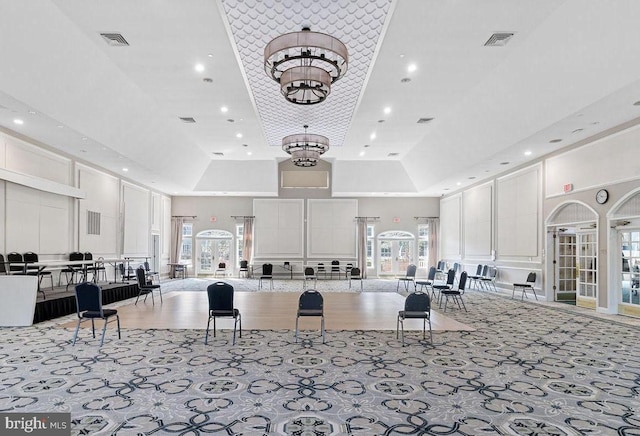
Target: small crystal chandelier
{"points": [[305, 148], [305, 64]]}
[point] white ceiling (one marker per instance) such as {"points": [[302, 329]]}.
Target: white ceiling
{"points": [[570, 71]]}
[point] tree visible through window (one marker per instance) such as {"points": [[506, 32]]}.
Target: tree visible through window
{"points": [[370, 241], [423, 245], [187, 242]]}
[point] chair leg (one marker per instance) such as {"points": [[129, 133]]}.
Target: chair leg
{"points": [[430, 330], [235, 323], [118, 323], [322, 328], [240, 322], [93, 327], [424, 328], [206, 335], [297, 318], [446, 300], [534, 292], [75, 335], [397, 326], [214, 326], [463, 305], [104, 330], [160, 290]]}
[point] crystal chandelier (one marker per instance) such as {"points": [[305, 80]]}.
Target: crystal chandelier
{"points": [[305, 64], [305, 148]]}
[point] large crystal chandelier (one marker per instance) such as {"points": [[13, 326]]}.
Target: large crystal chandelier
{"points": [[305, 148], [305, 64]]}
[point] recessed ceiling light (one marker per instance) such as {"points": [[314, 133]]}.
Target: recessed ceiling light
{"points": [[84, 138], [224, 109], [387, 110], [577, 130], [210, 55], [18, 121], [373, 135], [527, 153], [401, 55], [199, 68], [553, 141], [458, 184], [412, 67], [249, 153], [245, 145], [238, 135], [125, 169], [637, 103], [405, 80], [381, 121], [361, 153], [366, 146], [207, 80], [445, 189], [60, 126]]}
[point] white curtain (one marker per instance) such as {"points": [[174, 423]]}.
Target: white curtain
{"points": [[247, 248], [362, 246], [176, 238], [434, 229]]}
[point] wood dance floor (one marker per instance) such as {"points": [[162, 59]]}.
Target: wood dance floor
{"points": [[277, 310]]}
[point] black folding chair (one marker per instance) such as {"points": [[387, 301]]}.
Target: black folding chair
{"points": [[311, 303], [89, 307], [221, 305], [417, 305]]}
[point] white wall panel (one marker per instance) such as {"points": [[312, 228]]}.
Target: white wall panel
{"points": [[278, 228], [135, 202], [450, 227], [477, 203], [29, 159], [331, 228], [36, 221], [599, 163], [517, 217], [102, 196]]}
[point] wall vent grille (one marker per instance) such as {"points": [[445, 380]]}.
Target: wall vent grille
{"points": [[424, 120], [93, 223], [188, 119]]}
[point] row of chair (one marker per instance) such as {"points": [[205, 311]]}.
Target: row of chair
{"points": [[17, 263]]}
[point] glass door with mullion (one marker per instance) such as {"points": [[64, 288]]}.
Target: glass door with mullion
{"points": [[210, 253], [630, 267], [566, 268], [395, 256], [587, 285]]}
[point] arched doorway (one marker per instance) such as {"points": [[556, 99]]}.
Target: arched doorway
{"points": [[624, 261], [212, 247], [396, 251], [572, 247]]}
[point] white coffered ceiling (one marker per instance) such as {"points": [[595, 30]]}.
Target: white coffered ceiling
{"points": [[570, 71]]}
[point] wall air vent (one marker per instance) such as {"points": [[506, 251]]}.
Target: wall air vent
{"points": [[424, 120], [498, 39], [393, 154], [115, 39], [218, 153], [93, 223], [188, 119]]}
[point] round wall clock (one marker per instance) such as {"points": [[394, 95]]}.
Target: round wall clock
{"points": [[602, 196]]}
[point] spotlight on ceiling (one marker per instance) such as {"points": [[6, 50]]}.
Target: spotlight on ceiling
{"points": [[305, 148], [305, 64]]}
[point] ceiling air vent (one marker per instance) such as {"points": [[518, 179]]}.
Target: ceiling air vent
{"points": [[498, 39], [114, 39], [218, 153], [393, 154], [188, 119], [424, 120]]}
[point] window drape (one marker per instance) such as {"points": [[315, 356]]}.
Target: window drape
{"points": [[362, 246], [176, 238], [247, 235], [434, 229]]}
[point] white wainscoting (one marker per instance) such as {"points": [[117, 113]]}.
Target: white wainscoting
{"points": [[331, 228]]}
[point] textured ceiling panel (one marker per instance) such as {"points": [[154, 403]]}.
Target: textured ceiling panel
{"points": [[357, 23]]}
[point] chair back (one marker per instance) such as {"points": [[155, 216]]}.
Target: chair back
{"points": [[15, 257], [88, 297], [3, 266], [244, 264], [311, 300], [479, 269], [309, 271], [441, 265], [411, 270], [141, 276], [335, 265], [76, 255], [355, 272], [451, 276], [462, 283], [432, 274], [321, 267], [267, 269], [88, 256], [222, 265], [30, 257], [417, 302], [147, 267], [485, 271], [531, 278], [220, 297]]}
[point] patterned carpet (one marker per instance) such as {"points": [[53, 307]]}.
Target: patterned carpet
{"points": [[527, 370]]}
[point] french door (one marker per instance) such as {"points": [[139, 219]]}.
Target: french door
{"points": [[210, 252], [395, 255]]}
